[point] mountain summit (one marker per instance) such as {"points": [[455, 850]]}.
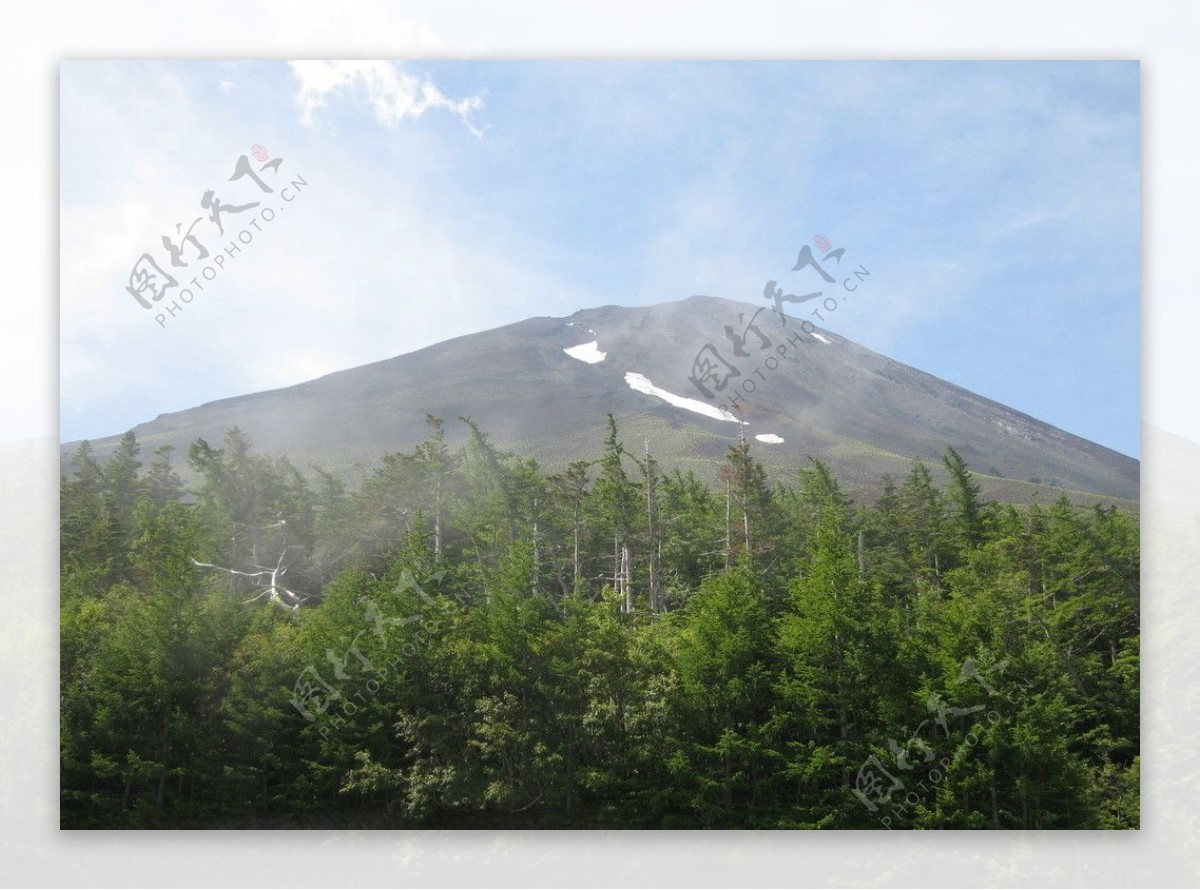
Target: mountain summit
{"points": [[683, 377]]}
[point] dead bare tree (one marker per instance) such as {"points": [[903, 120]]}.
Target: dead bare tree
{"points": [[266, 577]]}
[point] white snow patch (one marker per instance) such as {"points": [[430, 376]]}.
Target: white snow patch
{"points": [[769, 438], [586, 352], [641, 383], [590, 331], [824, 340], [570, 324]]}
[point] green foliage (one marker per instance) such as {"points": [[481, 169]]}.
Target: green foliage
{"points": [[466, 641]]}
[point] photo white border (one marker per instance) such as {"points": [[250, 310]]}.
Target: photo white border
{"points": [[1163, 35]]}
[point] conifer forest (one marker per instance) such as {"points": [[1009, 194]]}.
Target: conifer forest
{"points": [[454, 637]]}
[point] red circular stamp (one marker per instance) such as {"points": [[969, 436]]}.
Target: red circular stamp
{"points": [[822, 242], [262, 154]]}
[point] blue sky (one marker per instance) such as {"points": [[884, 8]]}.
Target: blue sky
{"points": [[995, 204]]}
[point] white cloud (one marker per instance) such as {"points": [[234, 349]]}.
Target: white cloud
{"points": [[1038, 217], [391, 93]]}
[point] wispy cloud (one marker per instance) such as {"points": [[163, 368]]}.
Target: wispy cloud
{"points": [[392, 93], [1039, 217]]}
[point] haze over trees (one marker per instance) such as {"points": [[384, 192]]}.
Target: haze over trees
{"points": [[522, 386], [460, 639]]}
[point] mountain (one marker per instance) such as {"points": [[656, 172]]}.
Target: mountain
{"points": [[806, 392]]}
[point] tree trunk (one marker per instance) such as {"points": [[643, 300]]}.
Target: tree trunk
{"points": [[536, 555], [575, 555], [617, 574], [626, 572], [652, 529], [862, 557], [728, 517]]}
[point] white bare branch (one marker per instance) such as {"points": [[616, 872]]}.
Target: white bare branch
{"points": [[268, 579]]}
